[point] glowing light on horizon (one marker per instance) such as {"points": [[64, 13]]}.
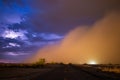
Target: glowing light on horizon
{"points": [[92, 62]]}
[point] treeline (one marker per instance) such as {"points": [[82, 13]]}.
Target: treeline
{"points": [[14, 65], [39, 63]]}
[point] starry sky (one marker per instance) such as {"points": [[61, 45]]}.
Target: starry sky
{"points": [[27, 26]]}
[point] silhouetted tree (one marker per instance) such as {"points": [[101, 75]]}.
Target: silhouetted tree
{"points": [[40, 62]]}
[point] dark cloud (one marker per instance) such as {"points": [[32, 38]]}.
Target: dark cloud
{"points": [[57, 15], [62, 15]]}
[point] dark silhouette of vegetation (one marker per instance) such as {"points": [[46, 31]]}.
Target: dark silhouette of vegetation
{"points": [[40, 63]]}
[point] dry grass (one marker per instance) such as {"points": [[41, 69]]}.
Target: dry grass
{"points": [[116, 70]]}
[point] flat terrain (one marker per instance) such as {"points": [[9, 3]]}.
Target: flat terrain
{"points": [[60, 72]]}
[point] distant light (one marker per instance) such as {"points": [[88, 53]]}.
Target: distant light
{"points": [[92, 62]]}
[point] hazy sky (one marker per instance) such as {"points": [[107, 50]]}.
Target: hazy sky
{"points": [[60, 30]]}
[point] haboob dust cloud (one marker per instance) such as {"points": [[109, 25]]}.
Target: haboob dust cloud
{"points": [[99, 42]]}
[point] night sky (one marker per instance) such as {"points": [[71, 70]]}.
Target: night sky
{"points": [[60, 30]]}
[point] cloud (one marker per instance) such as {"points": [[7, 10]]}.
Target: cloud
{"points": [[21, 41], [100, 42], [60, 16], [14, 35], [13, 11], [50, 36], [57, 16], [10, 45], [14, 45], [15, 54]]}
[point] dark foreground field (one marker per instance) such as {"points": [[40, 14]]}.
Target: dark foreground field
{"points": [[57, 72]]}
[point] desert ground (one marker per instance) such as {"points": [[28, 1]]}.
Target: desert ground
{"points": [[58, 72]]}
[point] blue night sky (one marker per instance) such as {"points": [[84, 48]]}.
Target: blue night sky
{"points": [[28, 25]]}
